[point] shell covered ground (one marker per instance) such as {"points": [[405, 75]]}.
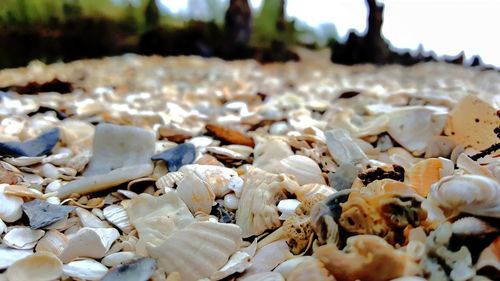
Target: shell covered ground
{"points": [[184, 168]]}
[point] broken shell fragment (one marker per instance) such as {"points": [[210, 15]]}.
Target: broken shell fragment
{"points": [[119, 258], [169, 181], [23, 238], [117, 215], [343, 148], [175, 158], [87, 219], [53, 242], [229, 135], [89, 242], [10, 206], [37, 267], [303, 168], [139, 270], [85, 269], [42, 214], [425, 173], [41, 145], [269, 152], [8, 256], [311, 269], [238, 262]]}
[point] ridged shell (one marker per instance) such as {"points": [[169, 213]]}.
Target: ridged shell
{"points": [[10, 206], [23, 238], [198, 250], [312, 270], [53, 242], [37, 267], [238, 262], [425, 173], [89, 242], [303, 168], [117, 215], [308, 191], [472, 194], [168, 181], [85, 269], [268, 257]]}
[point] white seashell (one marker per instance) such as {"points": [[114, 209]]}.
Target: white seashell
{"points": [[60, 158], [24, 160], [439, 146], [310, 270], [37, 267], [53, 242], [10, 206], [472, 226], [269, 151], [263, 276], [99, 213], [74, 130], [8, 256], [88, 219], [127, 193], [489, 256], [238, 262], [287, 208], [117, 215], [53, 200], [89, 242], [473, 194], [205, 246], [286, 267], [169, 181], [23, 238], [470, 166], [268, 257], [50, 171], [309, 190], [230, 201], [303, 168], [343, 148], [236, 185], [85, 269], [202, 184], [3, 227], [118, 258], [226, 153], [53, 186], [257, 211]]}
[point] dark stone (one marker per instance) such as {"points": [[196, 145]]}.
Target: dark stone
{"points": [[41, 213], [33, 88], [43, 109], [138, 270], [41, 145], [176, 157], [348, 94]]}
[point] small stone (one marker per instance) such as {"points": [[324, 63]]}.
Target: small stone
{"points": [[176, 157], [138, 270], [41, 213], [41, 145]]}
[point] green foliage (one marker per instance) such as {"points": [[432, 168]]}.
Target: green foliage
{"points": [[265, 27]]}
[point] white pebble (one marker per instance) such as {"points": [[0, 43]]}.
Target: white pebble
{"points": [[50, 171], [236, 184], [53, 186], [231, 201], [287, 208]]}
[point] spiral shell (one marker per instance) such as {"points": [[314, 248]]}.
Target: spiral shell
{"points": [[472, 194]]}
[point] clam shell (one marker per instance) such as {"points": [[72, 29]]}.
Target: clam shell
{"points": [[118, 258], [53, 242], [198, 250], [37, 267], [10, 206], [269, 151], [343, 147], [89, 242], [303, 168], [472, 194], [8, 256], [23, 238], [307, 191], [87, 219], [117, 215], [169, 181], [85, 269], [425, 173]]}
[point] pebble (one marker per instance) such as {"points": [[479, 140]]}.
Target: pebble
{"points": [[41, 145], [182, 154], [41, 213]]}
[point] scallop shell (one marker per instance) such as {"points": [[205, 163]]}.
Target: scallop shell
{"points": [[257, 211], [89, 242], [85, 269], [23, 238], [198, 250], [117, 215], [37, 267], [53, 242], [169, 181], [202, 184], [472, 194], [425, 173], [10, 206], [303, 168]]}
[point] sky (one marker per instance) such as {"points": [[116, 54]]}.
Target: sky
{"points": [[444, 26]]}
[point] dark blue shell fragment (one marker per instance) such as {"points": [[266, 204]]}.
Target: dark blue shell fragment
{"points": [[176, 157], [41, 145], [42, 214]]}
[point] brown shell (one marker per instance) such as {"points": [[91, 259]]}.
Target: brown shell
{"points": [[229, 135]]}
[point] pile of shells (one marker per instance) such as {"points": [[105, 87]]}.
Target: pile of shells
{"points": [[198, 169]]}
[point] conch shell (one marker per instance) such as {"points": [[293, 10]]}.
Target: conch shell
{"points": [[257, 211], [472, 194], [368, 258]]}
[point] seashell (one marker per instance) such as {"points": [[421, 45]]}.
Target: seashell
{"points": [[286, 267], [50, 171], [169, 181], [182, 154], [74, 130], [42, 214], [472, 226], [120, 154], [207, 159], [140, 269], [401, 157], [307, 191], [439, 146], [53, 186], [472, 194], [268, 257], [311, 269], [257, 211], [425, 173], [202, 184], [22, 238], [472, 123], [41, 145], [343, 148], [490, 257], [85, 269], [9, 174], [8, 256], [36, 267], [3, 227], [53, 242], [470, 166], [60, 158], [269, 151], [263, 276], [127, 193], [230, 201], [176, 135], [87, 219], [118, 258], [229, 135], [156, 218], [10, 206], [236, 185], [364, 255], [303, 168], [24, 160], [117, 215], [23, 191], [344, 176], [226, 155], [238, 262], [211, 246], [89, 242], [287, 208], [388, 186]]}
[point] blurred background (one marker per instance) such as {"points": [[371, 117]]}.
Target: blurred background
{"points": [[267, 30]]}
